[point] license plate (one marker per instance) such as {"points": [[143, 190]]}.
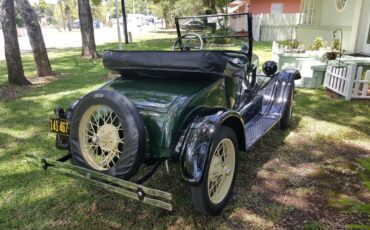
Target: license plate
{"points": [[60, 126]]}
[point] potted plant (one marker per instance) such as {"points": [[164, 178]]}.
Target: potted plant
{"points": [[318, 44], [335, 49]]}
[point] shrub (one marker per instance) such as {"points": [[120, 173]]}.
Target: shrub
{"points": [[318, 43]]}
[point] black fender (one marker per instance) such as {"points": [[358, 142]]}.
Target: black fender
{"points": [[197, 141], [286, 79], [289, 74], [276, 92]]}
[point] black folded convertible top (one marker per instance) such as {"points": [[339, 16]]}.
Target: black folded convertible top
{"points": [[166, 63]]}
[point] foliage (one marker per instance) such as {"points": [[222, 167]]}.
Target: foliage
{"points": [[318, 43], [216, 5], [18, 18], [132, 6], [220, 32], [164, 9], [44, 10], [99, 12], [169, 9], [294, 44], [188, 7], [59, 10], [335, 44]]}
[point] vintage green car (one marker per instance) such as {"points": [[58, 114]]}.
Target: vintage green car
{"points": [[194, 107]]}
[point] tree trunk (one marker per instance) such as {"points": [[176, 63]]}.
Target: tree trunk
{"points": [[211, 4], [87, 30], [36, 39], [12, 53], [68, 15], [62, 14]]}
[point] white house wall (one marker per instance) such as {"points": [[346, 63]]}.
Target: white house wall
{"points": [[330, 16], [362, 27], [328, 20], [307, 34]]}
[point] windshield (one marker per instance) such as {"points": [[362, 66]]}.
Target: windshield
{"points": [[226, 31]]}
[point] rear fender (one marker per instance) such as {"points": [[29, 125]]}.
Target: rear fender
{"points": [[197, 142]]}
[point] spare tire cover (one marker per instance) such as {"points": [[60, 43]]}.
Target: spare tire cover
{"points": [[131, 149]]}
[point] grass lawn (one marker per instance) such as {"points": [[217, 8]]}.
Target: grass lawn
{"points": [[305, 177]]}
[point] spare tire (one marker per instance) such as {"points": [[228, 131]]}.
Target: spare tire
{"points": [[107, 134]]}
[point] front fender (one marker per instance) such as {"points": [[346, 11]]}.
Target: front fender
{"points": [[286, 79], [197, 143], [290, 74], [276, 92]]}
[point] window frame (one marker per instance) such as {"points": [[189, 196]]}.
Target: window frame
{"points": [[310, 12], [277, 4]]}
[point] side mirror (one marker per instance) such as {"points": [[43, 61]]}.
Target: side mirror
{"points": [[269, 68]]}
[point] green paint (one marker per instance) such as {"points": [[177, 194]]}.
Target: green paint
{"points": [[167, 105]]}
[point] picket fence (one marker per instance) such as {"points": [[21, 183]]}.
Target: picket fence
{"points": [[275, 27], [348, 81]]}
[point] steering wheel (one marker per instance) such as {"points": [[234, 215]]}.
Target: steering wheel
{"points": [[188, 42]]}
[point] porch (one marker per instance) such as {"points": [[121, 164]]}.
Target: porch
{"points": [[338, 76]]}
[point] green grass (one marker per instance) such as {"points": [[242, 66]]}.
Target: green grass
{"points": [[289, 179]]}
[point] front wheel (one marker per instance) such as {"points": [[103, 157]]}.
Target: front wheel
{"points": [[212, 195]]}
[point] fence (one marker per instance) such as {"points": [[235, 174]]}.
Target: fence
{"points": [[275, 27], [347, 81]]}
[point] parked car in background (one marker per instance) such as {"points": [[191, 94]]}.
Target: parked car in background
{"points": [[194, 25]]}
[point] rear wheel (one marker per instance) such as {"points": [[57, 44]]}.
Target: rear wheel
{"points": [[107, 134], [212, 195]]}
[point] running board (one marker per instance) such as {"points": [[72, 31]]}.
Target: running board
{"points": [[135, 191], [259, 126]]}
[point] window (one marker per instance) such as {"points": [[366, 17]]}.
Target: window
{"points": [[340, 4], [308, 12], [277, 8]]}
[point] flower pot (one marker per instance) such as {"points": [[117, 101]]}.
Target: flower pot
{"points": [[331, 55]]}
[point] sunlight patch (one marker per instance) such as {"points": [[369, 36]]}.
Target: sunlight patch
{"points": [[251, 219], [56, 96]]}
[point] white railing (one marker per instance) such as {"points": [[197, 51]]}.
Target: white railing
{"points": [[347, 81]]}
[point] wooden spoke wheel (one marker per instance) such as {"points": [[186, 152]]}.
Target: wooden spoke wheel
{"points": [[215, 189], [101, 137]]}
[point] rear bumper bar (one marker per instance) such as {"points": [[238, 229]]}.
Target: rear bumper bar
{"points": [[135, 191]]}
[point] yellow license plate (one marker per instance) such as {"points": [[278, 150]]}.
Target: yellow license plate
{"points": [[60, 126]]}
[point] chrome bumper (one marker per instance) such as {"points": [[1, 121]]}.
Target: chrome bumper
{"points": [[135, 191]]}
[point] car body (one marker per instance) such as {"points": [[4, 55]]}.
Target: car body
{"points": [[197, 109], [194, 25]]}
